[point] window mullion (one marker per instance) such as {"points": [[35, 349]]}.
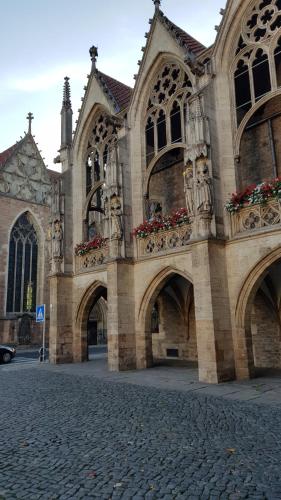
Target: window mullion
{"points": [[15, 275], [22, 277]]}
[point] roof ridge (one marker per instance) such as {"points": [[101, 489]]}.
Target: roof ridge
{"points": [[115, 79], [184, 38], [7, 153]]}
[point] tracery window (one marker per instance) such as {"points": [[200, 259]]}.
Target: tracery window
{"points": [[257, 66], [22, 270], [166, 108], [101, 153], [102, 140]]}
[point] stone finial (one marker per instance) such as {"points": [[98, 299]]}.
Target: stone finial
{"points": [[157, 4], [66, 103], [29, 117], [94, 56]]}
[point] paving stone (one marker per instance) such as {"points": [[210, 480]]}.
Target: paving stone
{"points": [[82, 438]]}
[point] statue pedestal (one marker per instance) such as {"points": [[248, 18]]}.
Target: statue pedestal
{"points": [[204, 225], [115, 248]]}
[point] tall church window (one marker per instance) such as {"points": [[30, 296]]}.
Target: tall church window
{"points": [[242, 90], [255, 74], [165, 109], [161, 130], [22, 270], [277, 58], [175, 117], [149, 135], [102, 140], [261, 75]]}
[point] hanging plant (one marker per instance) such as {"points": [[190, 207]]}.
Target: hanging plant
{"points": [[162, 223], [256, 194], [87, 246]]}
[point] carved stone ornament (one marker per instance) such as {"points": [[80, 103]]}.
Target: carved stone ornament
{"points": [[116, 218], [203, 188], [4, 186], [197, 131], [57, 239], [25, 175], [189, 189]]}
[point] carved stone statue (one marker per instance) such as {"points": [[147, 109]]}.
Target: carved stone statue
{"points": [[49, 240], [56, 197], [106, 218], [154, 209], [115, 213], [112, 168], [189, 189], [204, 202], [57, 239], [198, 136]]}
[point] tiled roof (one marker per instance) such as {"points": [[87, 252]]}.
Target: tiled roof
{"points": [[7, 154], [184, 38], [120, 92]]}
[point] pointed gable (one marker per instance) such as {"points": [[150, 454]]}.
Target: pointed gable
{"points": [[5, 155], [23, 173], [183, 38]]}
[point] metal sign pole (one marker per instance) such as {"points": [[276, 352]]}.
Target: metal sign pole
{"points": [[43, 340]]}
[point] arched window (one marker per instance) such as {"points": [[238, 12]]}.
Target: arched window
{"points": [[277, 58], [22, 271], [165, 108], [242, 90], [261, 75], [254, 75], [175, 116], [161, 130], [102, 140]]}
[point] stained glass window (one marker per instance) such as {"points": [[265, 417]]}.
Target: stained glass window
{"points": [[22, 270]]}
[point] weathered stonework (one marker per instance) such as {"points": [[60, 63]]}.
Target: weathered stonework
{"points": [[185, 137]]}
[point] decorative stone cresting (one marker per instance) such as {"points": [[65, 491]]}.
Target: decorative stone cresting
{"points": [[256, 217], [92, 259], [164, 241]]}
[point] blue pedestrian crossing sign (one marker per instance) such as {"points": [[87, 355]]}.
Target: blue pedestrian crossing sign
{"points": [[40, 313]]}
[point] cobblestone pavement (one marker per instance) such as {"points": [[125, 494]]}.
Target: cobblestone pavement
{"points": [[65, 436]]}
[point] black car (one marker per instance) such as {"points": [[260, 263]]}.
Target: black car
{"points": [[6, 353]]}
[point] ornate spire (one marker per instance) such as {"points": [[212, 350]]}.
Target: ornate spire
{"points": [[66, 103], [157, 4], [66, 115], [94, 55], [29, 117]]}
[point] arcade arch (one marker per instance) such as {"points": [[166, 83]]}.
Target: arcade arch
{"points": [[91, 320], [258, 319], [168, 317]]}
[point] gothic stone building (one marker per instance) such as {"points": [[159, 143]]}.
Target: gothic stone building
{"points": [[147, 179], [25, 208]]}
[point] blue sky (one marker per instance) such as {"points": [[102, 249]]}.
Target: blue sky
{"points": [[41, 42]]}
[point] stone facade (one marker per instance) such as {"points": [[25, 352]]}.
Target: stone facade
{"points": [[199, 125], [25, 207]]}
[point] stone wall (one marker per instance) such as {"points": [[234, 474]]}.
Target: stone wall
{"points": [[265, 334], [10, 210]]}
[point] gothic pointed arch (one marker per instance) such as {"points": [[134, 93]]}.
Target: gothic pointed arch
{"points": [[22, 266]]}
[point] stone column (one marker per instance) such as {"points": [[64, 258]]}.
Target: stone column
{"points": [[121, 321], [212, 312], [61, 334]]}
